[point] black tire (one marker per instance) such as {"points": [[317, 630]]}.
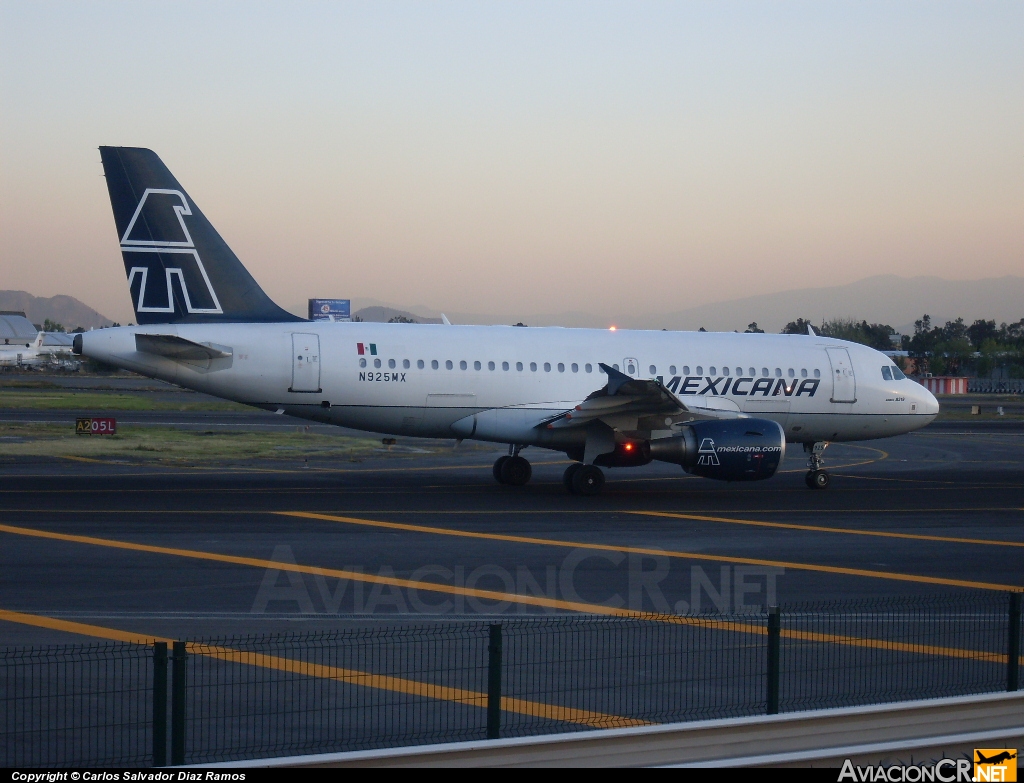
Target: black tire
{"points": [[567, 477], [516, 472], [809, 479], [588, 481], [821, 479], [498, 465]]}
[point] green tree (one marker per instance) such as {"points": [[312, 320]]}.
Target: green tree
{"points": [[799, 326], [52, 326], [753, 328]]}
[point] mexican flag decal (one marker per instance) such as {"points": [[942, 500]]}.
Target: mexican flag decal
{"points": [[367, 348]]}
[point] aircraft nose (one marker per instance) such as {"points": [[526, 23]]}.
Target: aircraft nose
{"points": [[927, 404]]}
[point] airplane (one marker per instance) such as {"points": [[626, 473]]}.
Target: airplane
{"points": [[25, 354], [721, 405], [1003, 756]]}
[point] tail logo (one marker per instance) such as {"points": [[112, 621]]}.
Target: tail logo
{"points": [[158, 232], [706, 454]]}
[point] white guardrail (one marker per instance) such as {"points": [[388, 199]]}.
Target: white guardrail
{"points": [[876, 734]]}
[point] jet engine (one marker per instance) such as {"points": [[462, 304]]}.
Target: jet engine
{"points": [[728, 450]]}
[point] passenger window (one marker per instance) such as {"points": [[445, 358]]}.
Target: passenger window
{"points": [[504, 366], [753, 373], [533, 366], [391, 364], [600, 369], [817, 373], [686, 369], [419, 364], [462, 365], [448, 364], [778, 372], [476, 365], [886, 374], [792, 373], [700, 370], [712, 370], [764, 372], [671, 369], [575, 367], [803, 373], [897, 374], [725, 371], [739, 371], [561, 367], [616, 366], [362, 362], [519, 366], [490, 365], [547, 366], [376, 363], [433, 364], [405, 364], [653, 369], [587, 367]]}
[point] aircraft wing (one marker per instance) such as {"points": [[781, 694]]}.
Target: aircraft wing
{"points": [[178, 348], [626, 403]]}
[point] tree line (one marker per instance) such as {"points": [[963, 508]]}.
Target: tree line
{"points": [[954, 348]]}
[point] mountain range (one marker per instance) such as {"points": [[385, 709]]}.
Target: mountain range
{"points": [[888, 299], [65, 310]]}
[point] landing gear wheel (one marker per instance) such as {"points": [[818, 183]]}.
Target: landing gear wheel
{"points": [[588, 480], [568, 475], [817, 479], [516, 471], [498, 465]]}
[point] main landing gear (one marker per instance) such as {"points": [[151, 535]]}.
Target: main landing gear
{"points": [[817, 477], [512, 469], [580, 479]]}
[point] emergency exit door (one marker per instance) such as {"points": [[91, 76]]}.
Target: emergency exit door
{"points": [[305, 363], [844, 384]]}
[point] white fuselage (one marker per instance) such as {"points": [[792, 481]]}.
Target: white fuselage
{"points": [[496, 382]]}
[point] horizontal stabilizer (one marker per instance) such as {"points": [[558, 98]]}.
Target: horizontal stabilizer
{"points": [[178, 348]]}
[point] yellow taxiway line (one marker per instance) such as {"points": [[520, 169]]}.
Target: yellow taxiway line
{"points": [[426, 690], [701, 556]]}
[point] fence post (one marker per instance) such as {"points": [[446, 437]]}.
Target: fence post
{"points": [[1013, 646], [160, 704], [180, 658], [494, 682], [774, 633]]}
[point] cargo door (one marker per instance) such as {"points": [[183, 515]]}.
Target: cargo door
{"points": [[305, 363], [844, 385]]}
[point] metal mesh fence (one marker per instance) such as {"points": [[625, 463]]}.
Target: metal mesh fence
{"points": [[344, 690], [391, 685], [871, 652], [76, 705]]}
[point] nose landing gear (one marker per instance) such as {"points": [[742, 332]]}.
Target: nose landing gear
{"points": [[817, 477]]}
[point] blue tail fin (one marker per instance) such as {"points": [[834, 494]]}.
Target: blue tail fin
{"points": [[179, 269]]}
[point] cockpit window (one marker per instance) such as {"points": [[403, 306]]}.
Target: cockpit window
{"points": [[886, 374], [897, 374]]}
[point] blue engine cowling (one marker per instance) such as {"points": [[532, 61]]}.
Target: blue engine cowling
{"points": [[728, 450]]}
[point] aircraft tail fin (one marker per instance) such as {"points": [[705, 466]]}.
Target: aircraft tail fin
{"points": [[179, 269]]}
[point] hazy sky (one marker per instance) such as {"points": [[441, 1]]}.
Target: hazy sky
{"points": [[523, 157]]}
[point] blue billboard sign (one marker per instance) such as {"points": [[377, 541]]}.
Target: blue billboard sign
{"points": [[330, 310]]}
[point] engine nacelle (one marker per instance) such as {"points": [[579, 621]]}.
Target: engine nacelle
{"points": [[728, 450]]}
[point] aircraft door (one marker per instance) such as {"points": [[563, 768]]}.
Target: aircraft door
{"points": [[844, 384], [631, 367], [305, 363]]}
